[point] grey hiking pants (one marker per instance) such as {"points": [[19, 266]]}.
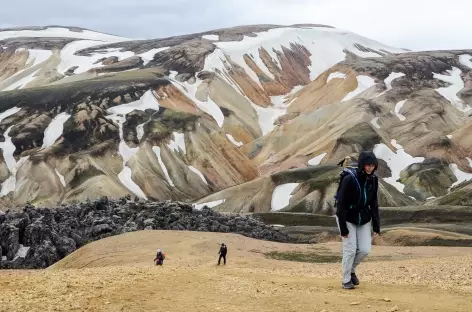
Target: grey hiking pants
{"points": [[355, 248]]}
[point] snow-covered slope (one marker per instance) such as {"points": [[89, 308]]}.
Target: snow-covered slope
{"points": [[189, 116], [59, 32], [326, 46]]}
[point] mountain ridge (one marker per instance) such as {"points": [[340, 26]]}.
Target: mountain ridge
{"points": [[186, 117]]}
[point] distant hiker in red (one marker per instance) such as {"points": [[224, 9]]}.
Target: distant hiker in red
{"points": [[160, 256], [357, 214], [223, 251]]}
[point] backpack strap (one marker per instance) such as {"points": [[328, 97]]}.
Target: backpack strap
{"points": [[351, 171], [354, 175]]}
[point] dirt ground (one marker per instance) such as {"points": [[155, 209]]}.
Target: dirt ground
{"points": [[118, 274]]}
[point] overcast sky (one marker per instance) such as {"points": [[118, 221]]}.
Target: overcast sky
{"points": [[412, 24]]}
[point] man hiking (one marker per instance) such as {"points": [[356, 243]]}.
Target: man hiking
{"points": [[223, 251], [357, 210], [160, 256]]}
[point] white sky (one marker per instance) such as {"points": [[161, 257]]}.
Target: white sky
{"points": [[412, 24]]}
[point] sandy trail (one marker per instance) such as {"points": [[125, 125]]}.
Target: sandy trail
{"points": [[117, 274]]}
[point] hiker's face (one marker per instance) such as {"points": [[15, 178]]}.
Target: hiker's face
{"points": [[369, 169]]}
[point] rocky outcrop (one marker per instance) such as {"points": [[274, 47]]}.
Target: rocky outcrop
{"points": [[11, 62], [431, 178], [185, 58], [118, 66], [40, 43], [39, 237], [459, 195], [299, 190]]}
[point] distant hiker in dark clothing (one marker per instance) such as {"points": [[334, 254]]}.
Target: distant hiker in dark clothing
{"points": [[160, 256], [356, 210], [223, 251]]}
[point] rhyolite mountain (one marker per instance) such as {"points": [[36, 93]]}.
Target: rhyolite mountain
{"points": [[244, 119]]}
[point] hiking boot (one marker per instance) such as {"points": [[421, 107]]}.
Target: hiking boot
{"points": [[348, 285], [354, 279]]}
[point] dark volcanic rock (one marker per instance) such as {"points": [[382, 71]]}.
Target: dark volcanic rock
{"points": [[71, 71], [44, 43], [185, 58], [9, 240], [52, 234]]}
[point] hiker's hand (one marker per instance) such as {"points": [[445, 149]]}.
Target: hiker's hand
{"points": [[376, 234], [345, 236]]}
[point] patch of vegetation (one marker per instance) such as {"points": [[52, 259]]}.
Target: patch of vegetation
{"points": [[425, 214], [81, 177], [361, 134], [459, 197], [176, 119], [311, 257], [320, 172], [157, 131], [295, 219]]}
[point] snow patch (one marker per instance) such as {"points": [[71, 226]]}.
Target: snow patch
{"points": [[398, 107], [125, 178], [140, 131], [189, 90], [147, 101], [199, 173], [268, 115], [336, 75], [209, 204], [396, 161], [126, 153], [281, 196], [390, 78], [375, 123], [460, 175], [465, 59], [118, 115], [54, 130], [237, 143], [157, 151], [363, 83], [9, 185], [450, 92], [211, 37], [149, 55], [395, 144], [316, 160], [177, 142], [22, 252], [9, 112], [38, 56], [449, 136], [8, 148], [61, 177], [62, 33], [22, 82], [84, 63], [326, 46]]}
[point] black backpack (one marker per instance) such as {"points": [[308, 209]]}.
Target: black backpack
{"points": [[345, 172]]}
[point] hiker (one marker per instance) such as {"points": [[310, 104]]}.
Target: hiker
{"points": [[356, 211], [160, 256], [223, 251]]}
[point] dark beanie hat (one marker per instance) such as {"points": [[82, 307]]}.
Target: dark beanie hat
{"points": [[367, 158]]}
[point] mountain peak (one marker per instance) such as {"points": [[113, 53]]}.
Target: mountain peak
{"points": [[234, 117]]}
